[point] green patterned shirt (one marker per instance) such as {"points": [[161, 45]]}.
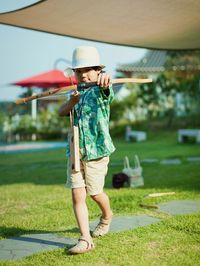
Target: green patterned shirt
{"points": [[92, 115]]}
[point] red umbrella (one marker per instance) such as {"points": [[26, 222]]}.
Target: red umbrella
{"points": [[50, 79], [53, 78]]}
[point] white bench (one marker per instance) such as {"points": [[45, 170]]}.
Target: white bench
{"points": [[184, 134], [135, 135]]}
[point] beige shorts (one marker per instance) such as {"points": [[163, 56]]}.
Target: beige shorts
{"points": [[91, 175]]}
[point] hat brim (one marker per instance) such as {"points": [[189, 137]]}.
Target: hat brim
{"points": [[79, 67]]}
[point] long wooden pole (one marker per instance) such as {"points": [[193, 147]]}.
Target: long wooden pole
{"points": [[74, 87]]}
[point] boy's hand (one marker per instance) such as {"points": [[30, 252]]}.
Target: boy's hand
{"points": [[104, 80], [67, 107], [75, 97]]}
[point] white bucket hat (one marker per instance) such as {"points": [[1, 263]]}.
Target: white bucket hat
{"points": [[86, 56]]}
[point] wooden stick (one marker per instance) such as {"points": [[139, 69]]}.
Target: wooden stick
{"points": [[74, 145], [148, 206], [130, 80], [45, 94], [74, 87], [160, 194]]}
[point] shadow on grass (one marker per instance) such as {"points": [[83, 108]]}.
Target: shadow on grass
{"points": [[16, 231], [46, 173], [49, 167], [184, 176]]}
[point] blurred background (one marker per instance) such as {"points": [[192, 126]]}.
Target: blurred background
{"points": [[170, 102]]}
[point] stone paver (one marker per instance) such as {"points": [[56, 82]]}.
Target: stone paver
{"points": [[18, 247], [150, 160], [193, 159], [175, 161], [171, 161], [180, 206], [123, 223]]}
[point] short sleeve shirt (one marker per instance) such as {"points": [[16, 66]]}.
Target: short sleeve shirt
{"points": [[91, 115]]}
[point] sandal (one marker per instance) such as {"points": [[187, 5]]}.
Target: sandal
{"points": [[102, 227], [82, 246]]}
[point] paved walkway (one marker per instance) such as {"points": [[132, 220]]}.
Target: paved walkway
{"points": [[18, 247], [31, 146]]}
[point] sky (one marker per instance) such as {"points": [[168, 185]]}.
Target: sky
{"points": [[25, 53]]}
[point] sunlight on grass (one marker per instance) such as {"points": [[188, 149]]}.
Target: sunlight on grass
{"points": [[34, 199]]}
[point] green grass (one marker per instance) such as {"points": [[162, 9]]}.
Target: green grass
{"points": [[34, 199]]}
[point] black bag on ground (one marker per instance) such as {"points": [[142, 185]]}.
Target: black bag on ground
{"points": [[118, 180]]}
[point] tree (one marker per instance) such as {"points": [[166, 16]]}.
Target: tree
{"points": [[180, 77]]}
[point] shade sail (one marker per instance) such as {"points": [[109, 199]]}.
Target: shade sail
{"points": [[161, 24], [53, 78]]}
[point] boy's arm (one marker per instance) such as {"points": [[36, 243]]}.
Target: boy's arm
{"points": [[67, 107]]}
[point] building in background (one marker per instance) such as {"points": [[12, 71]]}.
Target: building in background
{"points": [[170, 71]]}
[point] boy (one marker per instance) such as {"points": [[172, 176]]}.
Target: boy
{"points": [[91, 114]]}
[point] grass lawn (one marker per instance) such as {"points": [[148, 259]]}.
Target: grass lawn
{"points": [[34, 199]]}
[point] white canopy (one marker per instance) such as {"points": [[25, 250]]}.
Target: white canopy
{"points": [[161, 24]]}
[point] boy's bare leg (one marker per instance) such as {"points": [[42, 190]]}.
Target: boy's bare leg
{"points": [[81, 211], [104, 203]]}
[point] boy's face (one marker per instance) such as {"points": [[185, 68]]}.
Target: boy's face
{"points": [[87, 74]]}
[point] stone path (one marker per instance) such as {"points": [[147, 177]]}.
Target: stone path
{"points": [[123, 223], [193, 159], [18, 247], [175, 161], [171, 161], [178, 207]]}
